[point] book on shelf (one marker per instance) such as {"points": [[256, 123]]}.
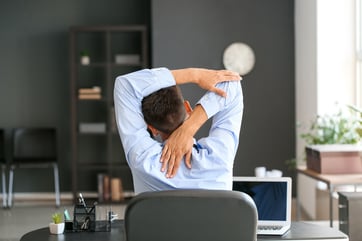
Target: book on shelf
{"points": [[106, 188], [89, 96], [127, 59], [93, 93], [93, 90], [109, 188], [116, 189], [100, 187], [92, 127]]}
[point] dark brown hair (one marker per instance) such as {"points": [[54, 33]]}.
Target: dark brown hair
{"points": [[164, 109]]}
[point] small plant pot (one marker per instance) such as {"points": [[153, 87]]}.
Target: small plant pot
{"points": [[56, 228], [84, 60]]}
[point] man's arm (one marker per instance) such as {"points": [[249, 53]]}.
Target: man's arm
{"points": [[180, 142], [205, 78], [129, 91]]}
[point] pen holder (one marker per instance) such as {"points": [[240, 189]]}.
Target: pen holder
{"points": [[84, 218], [68, 226]]}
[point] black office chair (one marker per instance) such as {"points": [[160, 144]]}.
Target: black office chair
{"points": [[34, 148], [191, 215], [3, 166]]}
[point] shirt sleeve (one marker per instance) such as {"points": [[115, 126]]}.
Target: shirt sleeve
{"points": [[129, 91], [213, 158], [220, 146]]}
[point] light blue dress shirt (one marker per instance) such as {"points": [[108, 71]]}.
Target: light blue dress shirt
{"points": [[212, 162]]}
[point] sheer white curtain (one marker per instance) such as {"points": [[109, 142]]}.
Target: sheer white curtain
{"points": [[359, 53]]}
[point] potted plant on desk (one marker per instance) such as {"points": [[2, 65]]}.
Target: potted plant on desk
{"points": [[57, 226]]}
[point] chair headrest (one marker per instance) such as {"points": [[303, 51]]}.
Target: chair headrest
{"points": [[191, 215]]}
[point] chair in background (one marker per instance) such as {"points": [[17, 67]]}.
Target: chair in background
{"points": [[191, 215], [34, 148], [3, 166]]}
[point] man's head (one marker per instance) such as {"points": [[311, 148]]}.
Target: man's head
{"points": [[164, 111]]}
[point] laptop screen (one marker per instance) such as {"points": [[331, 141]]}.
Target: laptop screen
{"points": [[270, 196]]}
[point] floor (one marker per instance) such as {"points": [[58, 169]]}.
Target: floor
{"points": [[22, 218], [30, 215]]}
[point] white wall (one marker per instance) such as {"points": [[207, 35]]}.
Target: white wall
{"points": [[325, 69], [306, 64], [305, 86]]}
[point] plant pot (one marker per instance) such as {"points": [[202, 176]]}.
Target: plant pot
{"points": [[334, 158], [56, 228], [84, 60]]}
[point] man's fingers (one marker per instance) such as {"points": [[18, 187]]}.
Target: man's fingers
{"points": [[170, 167], [175, 168], [232, 75], [188, 159], [164, 153], [165, 158], [164, 165], [218, 91]]}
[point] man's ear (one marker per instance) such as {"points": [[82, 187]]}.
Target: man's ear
{"points": [[153, 130], [187, 107]]}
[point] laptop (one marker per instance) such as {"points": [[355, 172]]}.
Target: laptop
{"points": [[272, 196]]}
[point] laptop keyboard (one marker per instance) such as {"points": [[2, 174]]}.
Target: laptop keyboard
{"points": [[269, 227]]}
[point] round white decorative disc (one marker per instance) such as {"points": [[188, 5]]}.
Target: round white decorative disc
{"points": [[239, 57]]}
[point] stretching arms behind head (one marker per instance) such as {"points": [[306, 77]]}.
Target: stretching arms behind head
{"points": [[140, 103]]}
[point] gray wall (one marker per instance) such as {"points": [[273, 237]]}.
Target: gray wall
{"points": [[195, 33], [34, 68]]}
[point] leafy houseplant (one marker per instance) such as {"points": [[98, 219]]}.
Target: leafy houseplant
{"points": [[57, 218], [337, 128], [359, 118], [57, 226], [333, 129]]}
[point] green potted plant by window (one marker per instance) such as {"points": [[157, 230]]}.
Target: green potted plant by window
{"points": [[57, 226], [334, 136], [358, 113], [336, 128], [333, 144]]}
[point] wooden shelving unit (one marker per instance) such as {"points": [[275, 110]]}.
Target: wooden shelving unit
{"points": [[95, 144]]}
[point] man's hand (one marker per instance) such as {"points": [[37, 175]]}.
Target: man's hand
{"points": [[205, 78], [180, 142], [178, 145]]}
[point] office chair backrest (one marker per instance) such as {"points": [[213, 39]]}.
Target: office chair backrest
{"points": [[34, 144], [191, 215]]}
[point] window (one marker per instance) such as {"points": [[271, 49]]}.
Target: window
{"points": [[359, 52], [336, 54]]}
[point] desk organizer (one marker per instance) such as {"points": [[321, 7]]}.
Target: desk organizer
{"points": [[85, 220]]}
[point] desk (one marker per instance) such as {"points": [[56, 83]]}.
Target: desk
{"points": [[299, 231], [332, 181], [43, 234]]}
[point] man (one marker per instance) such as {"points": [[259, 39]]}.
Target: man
{"points": [[209, 161]]}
